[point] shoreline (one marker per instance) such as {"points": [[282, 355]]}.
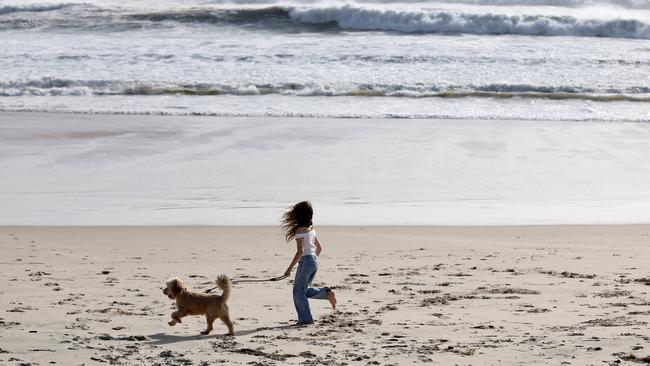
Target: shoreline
{"points": [[315, 116], [347, 226]]}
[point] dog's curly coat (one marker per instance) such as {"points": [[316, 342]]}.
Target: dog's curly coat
{"points": [[197, 303]]}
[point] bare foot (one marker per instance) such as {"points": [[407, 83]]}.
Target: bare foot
{"points": [[332, 299]]}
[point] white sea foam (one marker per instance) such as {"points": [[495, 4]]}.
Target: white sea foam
{"points": [[339, 107], [352, 16], [630, 4]]}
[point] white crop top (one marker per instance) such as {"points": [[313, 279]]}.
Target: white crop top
{"points": [[308, 242]]}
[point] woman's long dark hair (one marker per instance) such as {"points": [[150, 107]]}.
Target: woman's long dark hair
{"points": [[298, 216]]}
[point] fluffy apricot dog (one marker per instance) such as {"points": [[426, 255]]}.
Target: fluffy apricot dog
{"points": [[198, 303]]}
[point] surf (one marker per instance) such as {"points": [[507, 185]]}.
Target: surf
{"points": [[69, 87], [627, 20]]}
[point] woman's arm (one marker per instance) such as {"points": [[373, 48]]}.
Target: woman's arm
{"points": [[296, 257], [318, 247]]}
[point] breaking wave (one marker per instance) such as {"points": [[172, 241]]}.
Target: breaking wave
{"points": [[65, 87], [345, 16], [444, 21], [627, 4]]}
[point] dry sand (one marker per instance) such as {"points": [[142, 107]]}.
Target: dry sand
{"points": [[445, 295]]}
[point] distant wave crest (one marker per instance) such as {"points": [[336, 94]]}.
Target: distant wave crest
{"points": [[338, 15], [360, 17], [628, 4], [407, 21], [66, 87], [8, 9]]}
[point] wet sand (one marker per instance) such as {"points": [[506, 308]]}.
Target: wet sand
{"points": [[84, 169]]}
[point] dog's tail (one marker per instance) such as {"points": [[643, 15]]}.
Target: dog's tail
{"points": [[223, 282]]}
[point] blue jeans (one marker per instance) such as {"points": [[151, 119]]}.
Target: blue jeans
{"points": [[306, 272]]}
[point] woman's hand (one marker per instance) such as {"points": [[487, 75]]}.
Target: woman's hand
{"points": [[287, 272]]}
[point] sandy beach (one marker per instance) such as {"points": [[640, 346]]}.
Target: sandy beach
{"points": [[477, 172], [444, 295]]}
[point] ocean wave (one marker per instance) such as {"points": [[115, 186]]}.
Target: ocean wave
{"points": [[442, 21], [214, 16], [344, 16], [34, 8], [627, 4], [67, 87], [360, 17]]}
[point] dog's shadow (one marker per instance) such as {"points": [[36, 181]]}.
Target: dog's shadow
{"points": [[162, 338]]}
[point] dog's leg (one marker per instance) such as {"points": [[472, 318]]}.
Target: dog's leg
{"points": [[225, 318], [176, 317], [210, 320]]}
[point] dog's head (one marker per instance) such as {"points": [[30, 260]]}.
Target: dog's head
{"points": [[174, 287]]}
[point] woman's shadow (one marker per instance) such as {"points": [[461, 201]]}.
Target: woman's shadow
{"points": [[163, 338]]}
